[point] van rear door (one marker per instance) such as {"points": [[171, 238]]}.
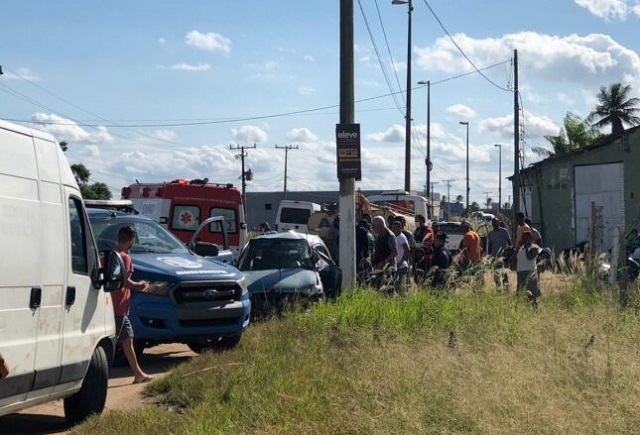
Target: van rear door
{"points": [[50, 260], [20, 280]]}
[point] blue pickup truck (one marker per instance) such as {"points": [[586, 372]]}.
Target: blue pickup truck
{"points": [[200, 301]]}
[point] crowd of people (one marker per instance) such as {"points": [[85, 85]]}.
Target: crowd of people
{"points": [[389, 256]]}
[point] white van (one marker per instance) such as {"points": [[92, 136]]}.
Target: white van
{"points": [[294, 215], [57, 327]]}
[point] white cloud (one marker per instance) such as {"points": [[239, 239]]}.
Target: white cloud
{"points": [[534, 126], [306, 90], [91, 151], [213, 42], [188, 67], [395, 133], [67, 130], [607, 9], [165, 134], [583, 60], [636, 10], [21, 74], [309, 58], [191, 162], [301, 135], [249, 134], [161, 40], [461, 111]]}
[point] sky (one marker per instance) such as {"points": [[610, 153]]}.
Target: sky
{"points": [[154, 91]]}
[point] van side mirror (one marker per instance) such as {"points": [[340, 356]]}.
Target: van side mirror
{"points": [[113, 272], [205, 249]]}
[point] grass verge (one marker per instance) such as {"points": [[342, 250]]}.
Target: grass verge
{"points": [[471, 363]]}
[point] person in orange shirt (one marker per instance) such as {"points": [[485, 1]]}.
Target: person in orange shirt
{"points": [[469, 247]]}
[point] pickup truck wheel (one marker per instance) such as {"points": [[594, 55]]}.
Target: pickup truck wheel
{"points": [[218, 344], [93, 393]]}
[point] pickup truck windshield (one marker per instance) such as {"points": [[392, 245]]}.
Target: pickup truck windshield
{"points": [[265, 254], [150, 237]]}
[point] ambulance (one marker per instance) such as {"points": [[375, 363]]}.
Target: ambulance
{"points": [[181, 205]]}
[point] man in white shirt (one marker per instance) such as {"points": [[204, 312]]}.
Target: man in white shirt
{"points": [[402, 257], [526, 268]]}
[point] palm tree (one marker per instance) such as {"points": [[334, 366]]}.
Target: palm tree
{"points": [[616, 107], [577, 133]]}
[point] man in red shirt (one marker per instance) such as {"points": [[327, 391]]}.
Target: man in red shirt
{"points": [[121, 300]]}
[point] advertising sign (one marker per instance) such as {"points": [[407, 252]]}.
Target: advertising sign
{"points": [[348, 151]]}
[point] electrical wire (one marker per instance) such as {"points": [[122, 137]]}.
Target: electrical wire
{"points": [[386, 41], [375, 48], [444, 29]]}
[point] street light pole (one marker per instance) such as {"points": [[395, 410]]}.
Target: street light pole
{"points": [[428, 161], [499, 177], [407, 133], [468, 190]]}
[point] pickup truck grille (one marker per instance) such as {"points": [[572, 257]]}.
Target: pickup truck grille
{"points": [[207, 292]]}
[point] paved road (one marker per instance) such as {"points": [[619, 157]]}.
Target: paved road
{"points": [[49, 418]]}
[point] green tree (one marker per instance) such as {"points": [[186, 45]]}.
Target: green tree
{"points": [[82, 175], [616, 107], [459, 198], [576, 133], [474, 206]]}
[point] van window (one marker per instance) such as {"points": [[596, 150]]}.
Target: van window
{"points": [[299, 216], [83, 252], [185, 217], [229, 215]]}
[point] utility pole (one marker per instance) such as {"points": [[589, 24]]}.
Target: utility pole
{"points": [[346, 202], [448, 183], [286, 154], [433, 183], [241, 156], [515, 205], [487, 200]]}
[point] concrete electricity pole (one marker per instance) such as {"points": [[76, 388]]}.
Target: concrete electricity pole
{"points": [[286, 154], [346, 201]]}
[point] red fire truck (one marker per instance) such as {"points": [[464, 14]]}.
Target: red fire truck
{"points": [[182, 204]]}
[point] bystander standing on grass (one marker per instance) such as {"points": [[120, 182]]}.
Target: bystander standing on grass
{"points": [[526, 268]]}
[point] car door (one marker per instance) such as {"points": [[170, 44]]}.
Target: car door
{"points": [[20, 287], [330, 273], [84, 305]]}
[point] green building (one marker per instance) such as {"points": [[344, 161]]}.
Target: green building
{"points": [[596, 188]]}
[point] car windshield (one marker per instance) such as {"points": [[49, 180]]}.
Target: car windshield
{"points": [[265, 254], [150, 236], [450, 228]]}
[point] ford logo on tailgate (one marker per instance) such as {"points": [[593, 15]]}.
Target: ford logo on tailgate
{"points": [[211, 294]]}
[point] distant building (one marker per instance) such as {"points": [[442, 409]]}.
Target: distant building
{"points": [[564, 194]]}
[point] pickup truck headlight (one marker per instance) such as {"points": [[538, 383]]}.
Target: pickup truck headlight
{"points": [[160, 288], [243, 284]]}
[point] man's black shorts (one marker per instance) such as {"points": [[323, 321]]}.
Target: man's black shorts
{"points": [[123, 328]]}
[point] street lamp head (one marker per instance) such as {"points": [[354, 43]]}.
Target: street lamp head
{"points": [[497, 145], [423, 82], [463, 122], [399, 2]]}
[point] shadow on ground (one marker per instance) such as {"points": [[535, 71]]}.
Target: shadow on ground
{"points": [[26, 423]]}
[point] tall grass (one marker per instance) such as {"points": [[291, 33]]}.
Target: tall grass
{"points": [[476, 362]]}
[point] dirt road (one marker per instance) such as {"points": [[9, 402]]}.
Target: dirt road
{"points": [[49, 418]]}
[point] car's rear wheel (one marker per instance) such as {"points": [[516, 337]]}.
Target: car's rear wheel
{"points": [[217, 344]]}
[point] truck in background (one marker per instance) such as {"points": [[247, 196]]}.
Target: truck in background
{"points": [[181, 205], [403, 202], [294, 215]]}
